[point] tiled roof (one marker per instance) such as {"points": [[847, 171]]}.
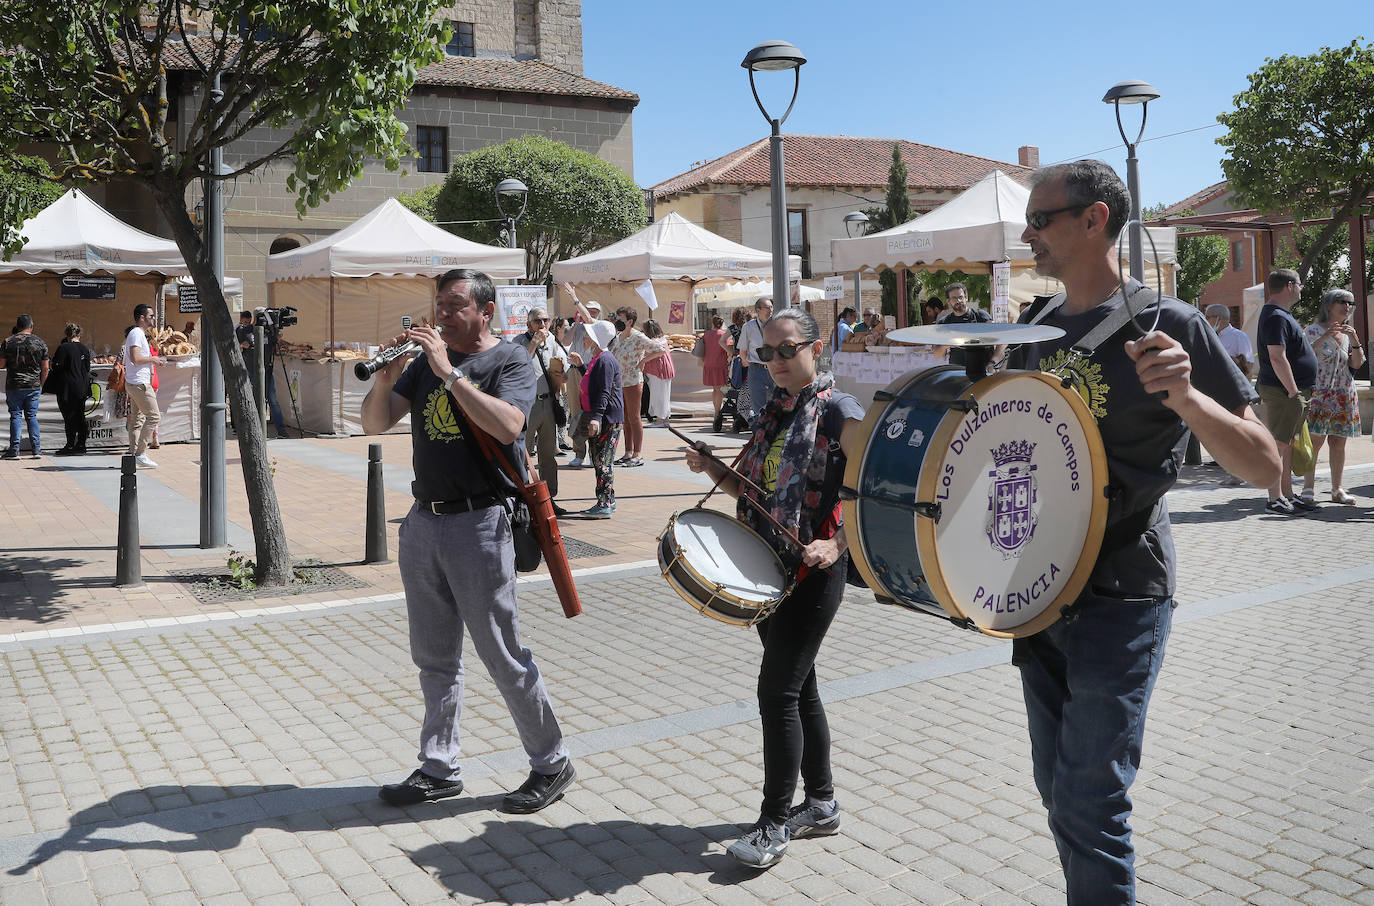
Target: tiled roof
{"points": [[838, 160], [1197, 198], [527, 76]]}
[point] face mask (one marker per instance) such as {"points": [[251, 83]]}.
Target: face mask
{"points": [[620, 326]]}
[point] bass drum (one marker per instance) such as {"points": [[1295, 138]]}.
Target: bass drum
{"points": [[981, 501]]}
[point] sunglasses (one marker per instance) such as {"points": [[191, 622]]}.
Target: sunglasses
{"points": [[784, 350], [1038, 220], [540, 320]]}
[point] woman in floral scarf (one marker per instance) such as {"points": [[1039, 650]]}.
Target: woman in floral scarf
{"points": [[797, 456]]}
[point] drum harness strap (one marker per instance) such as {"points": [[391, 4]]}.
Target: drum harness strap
{"points": [[1126, 529]]}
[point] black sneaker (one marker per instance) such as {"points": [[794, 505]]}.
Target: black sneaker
{"points": [[419, 787], [1302, 503], [10, 454], [1280, 506], [539, 790]]}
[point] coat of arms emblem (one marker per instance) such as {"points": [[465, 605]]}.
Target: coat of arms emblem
{"points": [[1012, 506]]}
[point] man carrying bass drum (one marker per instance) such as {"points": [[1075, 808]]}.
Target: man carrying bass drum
{"points": [[797, 456], [1088, 677]]}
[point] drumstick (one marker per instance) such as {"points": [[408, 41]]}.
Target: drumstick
{"points": [[739, 476]]}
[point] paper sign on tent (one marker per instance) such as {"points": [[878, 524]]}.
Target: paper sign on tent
{"points": [[646, 292]]}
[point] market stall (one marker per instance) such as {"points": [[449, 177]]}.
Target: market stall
{"points": [[350, 291], [977, 229]]}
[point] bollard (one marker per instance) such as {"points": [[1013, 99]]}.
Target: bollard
{"points": [[128, 556], [375, 551]]}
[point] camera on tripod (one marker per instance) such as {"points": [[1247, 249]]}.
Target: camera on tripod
{"points": [[274, 319]]}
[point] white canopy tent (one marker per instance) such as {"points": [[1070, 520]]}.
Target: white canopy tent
{"points": [[390, 256], [80, 263], [742, 293], [980, 226], [674, 255]]}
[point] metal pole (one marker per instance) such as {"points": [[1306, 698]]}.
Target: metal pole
{"points": [[1133, 186], [128, 556], [375, 544], [260, 375], [858, 293], [212, 481], [781, 297], [510, 231]]}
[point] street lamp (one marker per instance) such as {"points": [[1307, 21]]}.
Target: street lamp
{"points": [[856, 220], [772, 56], [512, 189], [1133, 91]]}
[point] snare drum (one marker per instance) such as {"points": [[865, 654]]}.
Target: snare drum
{"points": [[721, 567], [981, 501]]}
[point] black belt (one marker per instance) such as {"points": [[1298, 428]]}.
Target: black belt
{"points": [[466, 505]]}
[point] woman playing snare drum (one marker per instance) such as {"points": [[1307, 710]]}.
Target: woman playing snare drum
{"points": [[797, 456]]}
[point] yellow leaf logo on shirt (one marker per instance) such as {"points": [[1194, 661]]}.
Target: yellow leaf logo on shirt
{"points": [[440, 421]]}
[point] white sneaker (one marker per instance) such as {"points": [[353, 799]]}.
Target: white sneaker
{"points": [[574, 463], [144, 462]]}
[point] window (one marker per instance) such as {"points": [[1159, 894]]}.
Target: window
{"points": [[797, 240], [284, 244], [432, 146], [461, 44], [1238, 255]]}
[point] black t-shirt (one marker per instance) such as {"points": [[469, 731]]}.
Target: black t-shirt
{"points": [[1144, 439], [972, 315], [1279, 328], [443, 458]]}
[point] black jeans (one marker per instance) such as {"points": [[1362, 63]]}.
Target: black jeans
{"points": [[796, 735], [73, 411]]}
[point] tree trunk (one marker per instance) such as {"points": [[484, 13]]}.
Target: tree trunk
{"points": [[272, 555]]}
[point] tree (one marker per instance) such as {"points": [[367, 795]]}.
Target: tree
{"points": [[1324, 272], [577, 202], [896, 211], [1301, 139], [23, 195], [317, 82]]}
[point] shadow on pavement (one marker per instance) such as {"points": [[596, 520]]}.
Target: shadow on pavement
{"points": [[563, 863], [599, 857], [29, 588]]}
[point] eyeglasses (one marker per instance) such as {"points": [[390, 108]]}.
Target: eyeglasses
{"points": [[784, 350], [540, 320], [1038, 220]]}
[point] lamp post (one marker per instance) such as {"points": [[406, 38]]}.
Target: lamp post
{"points": [[768, 57], [855, 220], [1133, 91], [213, 526], [513, 189]]}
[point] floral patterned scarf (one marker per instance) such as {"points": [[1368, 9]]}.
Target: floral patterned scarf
{"points": [[801, 468]]}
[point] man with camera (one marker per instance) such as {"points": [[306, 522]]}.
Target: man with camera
{"points": [[457, 554], [272, 320], [551, 365]]}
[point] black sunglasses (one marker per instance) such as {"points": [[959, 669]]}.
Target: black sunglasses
{"points": [[785, 350], [540, 320], [1038, 220]]}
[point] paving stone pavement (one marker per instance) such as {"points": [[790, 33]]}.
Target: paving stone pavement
{"points": [[163, 751]]}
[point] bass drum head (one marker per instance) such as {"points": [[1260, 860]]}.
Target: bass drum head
{"points": [[1020, 483]]}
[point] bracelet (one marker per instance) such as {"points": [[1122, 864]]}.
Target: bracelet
{"points": [[1356, 346]]}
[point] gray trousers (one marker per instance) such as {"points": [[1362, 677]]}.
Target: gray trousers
{"points": [[541, 439], [459, 575]]}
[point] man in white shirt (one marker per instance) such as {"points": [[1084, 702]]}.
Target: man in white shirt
{"points": [[138, 384], [1235, 342], [551, 365], [750, 339]]}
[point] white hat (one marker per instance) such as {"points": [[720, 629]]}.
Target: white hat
{"points": [[592, 304], [601, 333]]}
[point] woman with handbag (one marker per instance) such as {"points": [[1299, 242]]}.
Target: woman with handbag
{"points": [[70, 380], [1334, 413], [630, 348], [797, 458], [603, 410], [658, 374]]}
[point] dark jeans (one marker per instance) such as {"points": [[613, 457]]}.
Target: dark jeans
{"points": [[1087, 680], [23, 406], [796, 735], [74, 420]]}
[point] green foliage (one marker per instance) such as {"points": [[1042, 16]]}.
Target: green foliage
{"points": [[1201, 259], [979, 286], [577, 202], [896, 211], [25, 189], [421, 201], [1323, 273], [1301, 139], [242, 571]]}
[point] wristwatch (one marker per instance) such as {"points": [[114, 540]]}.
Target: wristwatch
{"points": [[454, 377]]}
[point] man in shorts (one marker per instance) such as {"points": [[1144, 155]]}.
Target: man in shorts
{"points": [[1287, 374]]}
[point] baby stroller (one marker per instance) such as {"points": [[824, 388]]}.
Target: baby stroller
{"points": [[736, 402]]}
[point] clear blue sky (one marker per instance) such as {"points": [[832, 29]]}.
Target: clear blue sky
{"points": [[978, 77]]}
